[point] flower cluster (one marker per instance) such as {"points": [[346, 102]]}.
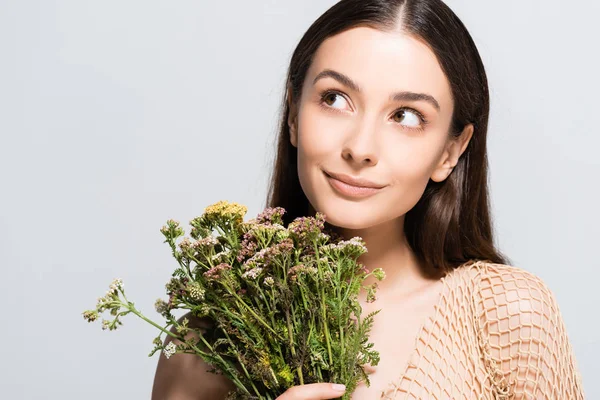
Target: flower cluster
{"points": [[301, 270], [170, 350], [272, 215], [352, 248], [281, 303], [216, 272], [306, 229]]}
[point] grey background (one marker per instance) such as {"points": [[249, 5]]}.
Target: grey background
{"points": [[118, 115]]}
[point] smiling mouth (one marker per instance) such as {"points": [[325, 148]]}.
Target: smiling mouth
{"points": [[349, 190]]}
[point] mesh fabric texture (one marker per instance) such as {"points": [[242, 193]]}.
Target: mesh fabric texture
{"points": [[496, 333]]}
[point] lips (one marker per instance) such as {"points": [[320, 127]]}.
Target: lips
{"points": [[357, 182], [339, 183]]}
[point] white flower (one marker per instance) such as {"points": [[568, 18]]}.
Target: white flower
{"points": [[116, 284], [169, 350], [222, 256], [269, 281], [207, 241], [253, 273]]}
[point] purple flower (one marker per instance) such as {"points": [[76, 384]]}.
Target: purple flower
{"points": [[271, 216], [306, 229], [216, 272]]}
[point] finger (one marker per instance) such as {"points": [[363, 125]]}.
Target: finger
{"points": [[313, 391]]}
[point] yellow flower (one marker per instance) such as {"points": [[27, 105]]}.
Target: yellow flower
{"points": [[286, 375], [225, 208]]}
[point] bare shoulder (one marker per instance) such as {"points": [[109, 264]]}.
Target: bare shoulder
{"points": [[186, 376]]}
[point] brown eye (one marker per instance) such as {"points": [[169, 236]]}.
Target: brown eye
{"points": [[330, 98], [410, 118]]}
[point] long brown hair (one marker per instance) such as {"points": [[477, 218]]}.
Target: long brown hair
{"points": [[451, 223]]}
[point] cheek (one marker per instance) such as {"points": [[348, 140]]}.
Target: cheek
{"points": [[316, 145], [319, 140], [317, 136], [410, 168]]}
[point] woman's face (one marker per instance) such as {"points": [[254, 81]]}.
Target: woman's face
{"points": [[374, 106]]}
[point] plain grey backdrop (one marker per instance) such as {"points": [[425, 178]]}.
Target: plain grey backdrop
{"points": [[118, 115]]}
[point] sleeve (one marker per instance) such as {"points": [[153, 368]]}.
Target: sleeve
{"points": [[523, 338]]}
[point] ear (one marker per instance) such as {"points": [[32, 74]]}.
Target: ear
{"points": [[452, 152], [292, 120]]}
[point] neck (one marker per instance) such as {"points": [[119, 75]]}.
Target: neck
{"points": [[389, 250]]}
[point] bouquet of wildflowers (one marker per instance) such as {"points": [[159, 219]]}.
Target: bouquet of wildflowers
{"points": [[283, 301]]}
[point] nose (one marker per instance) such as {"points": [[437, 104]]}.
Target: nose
{"points": [[361, 146]]}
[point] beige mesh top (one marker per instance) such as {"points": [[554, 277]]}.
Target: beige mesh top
{"points": [[496, 333]]}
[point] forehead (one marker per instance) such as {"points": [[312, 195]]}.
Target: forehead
{"points": [[383, 62]]}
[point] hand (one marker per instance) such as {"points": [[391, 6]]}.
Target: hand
{"points": [[313, 391], [318, 391]]}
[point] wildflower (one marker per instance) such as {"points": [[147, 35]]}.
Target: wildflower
{"points": [[269, 281], [282, 235], [199, 230], [221, 256], [185, 245], [263, 257], [116, 284], [264, 271], [286, 374], [202, 310], [205, 243], [252, 274], [91, 316], [286, 246], [323, 237], [306, 229], [248, 246], [161, 306], [362, 268], [267, 230], [225, 209], [196, 291], [371, 293], [379, 274], [173, 285], [271, 216], [301, 269], [172, 229], [327, 275], [350, 248], [216, 272], [183, 328], [169, 350]]}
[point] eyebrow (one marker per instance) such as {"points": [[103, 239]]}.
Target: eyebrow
{"points": [[399, 96]]}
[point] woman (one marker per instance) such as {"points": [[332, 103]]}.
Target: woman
{"points": [[384, 131]]}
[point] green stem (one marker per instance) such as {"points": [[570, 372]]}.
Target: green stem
{"points": [[292, 348], [323, 309], [259, 319], [136, 312], [237, 355], [237, 382], [129, 306]]}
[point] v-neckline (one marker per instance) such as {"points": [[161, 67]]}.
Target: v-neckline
{"points": [[427, 321]]}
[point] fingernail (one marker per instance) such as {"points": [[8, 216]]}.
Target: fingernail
{"points": [[338, 387]]}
